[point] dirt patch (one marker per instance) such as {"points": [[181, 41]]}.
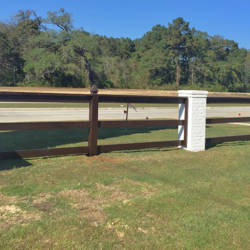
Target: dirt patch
{"points": [[45, 206], [12, 215], [104, 161], [91, 208], [95, 215], [108, 159], [145, 189], [43, 197], [87, 207], [9, 209], [6, 200], [41, 203], [110, 193]]}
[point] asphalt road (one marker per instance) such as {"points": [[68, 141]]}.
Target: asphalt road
{"points": [[70, 114]]}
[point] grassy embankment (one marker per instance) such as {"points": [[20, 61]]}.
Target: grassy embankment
{"points": [[147, 199]]}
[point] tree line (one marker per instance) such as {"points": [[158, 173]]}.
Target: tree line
{"points": [[49, 51]]}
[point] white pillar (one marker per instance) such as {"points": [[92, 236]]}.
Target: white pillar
{"points": [[196, 131]]}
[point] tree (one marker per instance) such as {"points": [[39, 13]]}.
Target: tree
{"points": [[85, 48], [42, 61], [127, 47], [179, 41], [49, 51], [6, 60], [61, 19], [247, 72]]}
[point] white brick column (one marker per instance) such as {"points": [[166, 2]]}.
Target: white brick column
{"points": [[196, 131]]}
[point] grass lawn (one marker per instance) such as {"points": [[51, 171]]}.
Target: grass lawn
{"points": [[145, 199]]}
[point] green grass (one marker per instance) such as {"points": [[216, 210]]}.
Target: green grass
{"points": [[17, 140], [145, 199]]}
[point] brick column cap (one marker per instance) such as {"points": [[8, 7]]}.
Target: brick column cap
{"points": [[193, 93]]}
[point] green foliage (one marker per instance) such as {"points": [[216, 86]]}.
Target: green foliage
{"points": [[172, 57], [61, 19]]}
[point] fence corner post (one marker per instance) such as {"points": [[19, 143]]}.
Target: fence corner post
{"points": [[194, 134], [93, 122]]}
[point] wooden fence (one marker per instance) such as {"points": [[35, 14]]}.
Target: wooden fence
{"points": [[241, 100], [93, 124]]}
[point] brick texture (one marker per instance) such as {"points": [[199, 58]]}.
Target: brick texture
{"points": [[196, 119]]}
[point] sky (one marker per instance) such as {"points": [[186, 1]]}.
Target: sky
{"points": [[133, 18]]}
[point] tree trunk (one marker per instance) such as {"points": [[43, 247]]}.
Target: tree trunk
{"points": [[178, 72], [192, 75], [88, 70]]}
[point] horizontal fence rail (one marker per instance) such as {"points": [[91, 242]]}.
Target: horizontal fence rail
{"points": [[140, 145], [139, 123], [43, 97], [141, 99], [57, 97], [222, 139], [93, 124], [213, 99], [227, 139], [86, 124], [227, 120]]}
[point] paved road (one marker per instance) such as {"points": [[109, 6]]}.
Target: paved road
{"points": [[69, 114]]}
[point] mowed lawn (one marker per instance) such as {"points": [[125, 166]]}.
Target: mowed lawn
{"points": [[145, 199]]}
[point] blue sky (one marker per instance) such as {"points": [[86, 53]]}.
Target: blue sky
{"points": [[133, 18]]}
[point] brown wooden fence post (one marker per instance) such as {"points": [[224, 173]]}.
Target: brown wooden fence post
{"points": [[93, 122]]}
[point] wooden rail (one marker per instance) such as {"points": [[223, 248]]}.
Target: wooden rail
{"points": [[93, 124], [227, 120], [140, 145], [83, 98], [86, 124], [227, 139], [141, 99], [213, 99], [222, 139], [140, 123], [43, 97]]}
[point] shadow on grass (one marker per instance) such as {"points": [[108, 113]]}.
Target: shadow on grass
{"points": [[148, 150], [37, 139], [13, 163], [227, 144]]}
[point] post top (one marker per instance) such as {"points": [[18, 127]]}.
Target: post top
{"points": [[93, 89], [192, 93]]}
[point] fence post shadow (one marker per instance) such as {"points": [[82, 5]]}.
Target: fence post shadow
{"points": [[13, 163], [210, 145]]}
